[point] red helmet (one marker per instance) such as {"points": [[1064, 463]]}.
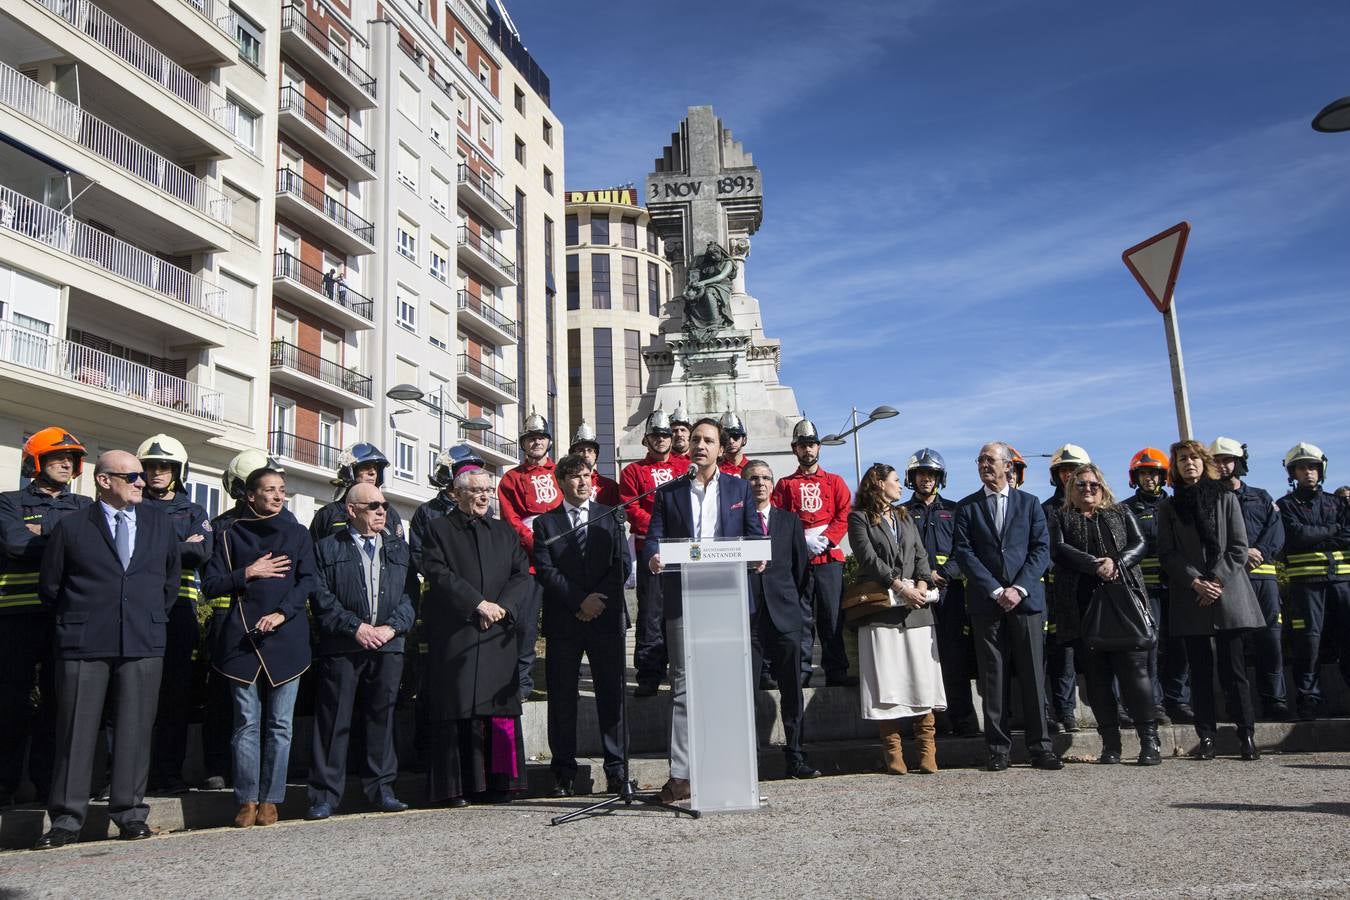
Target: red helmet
{"points": [[1148, 458], [50, 440], [1019, 466]]}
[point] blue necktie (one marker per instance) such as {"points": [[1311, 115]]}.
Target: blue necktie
{"points": [[581, 535], [369, 547], [122, 539]]}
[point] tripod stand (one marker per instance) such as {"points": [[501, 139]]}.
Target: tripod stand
{"points": [[628, 793]]}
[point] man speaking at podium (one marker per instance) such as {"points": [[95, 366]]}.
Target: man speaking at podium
{"points": [[705, 504]]}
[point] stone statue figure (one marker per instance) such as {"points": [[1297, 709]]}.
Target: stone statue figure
{"points": [[707, 296]]}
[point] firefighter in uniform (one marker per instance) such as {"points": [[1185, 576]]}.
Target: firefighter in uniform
{"points": [[935, 518], [522, 494], [359, 462], [679, 436], [637, 478], [1317, 562], [53, 459], [1061, 679], [733, 458], [821, 500], [1167, 660], [603, 490], [165, 462], [1019, 465], [1265, 541]]}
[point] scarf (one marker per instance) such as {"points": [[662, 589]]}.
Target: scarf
{"points": [[1197, 506]]}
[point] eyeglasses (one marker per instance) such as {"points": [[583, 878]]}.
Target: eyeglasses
{"points": [[483, 491], [1088, 487], [989, 459], [128, 477], [376, 504]]}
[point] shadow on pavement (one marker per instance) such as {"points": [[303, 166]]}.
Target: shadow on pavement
{"points": [[1331, 809]]}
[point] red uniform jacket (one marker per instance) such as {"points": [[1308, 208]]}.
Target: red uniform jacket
{"points": [[640, 477], [525, 492], [732, 468], [604, 490], [681, 462], [819, 499]]}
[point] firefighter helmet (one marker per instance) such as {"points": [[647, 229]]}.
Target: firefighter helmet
{"points": [[926, 458], [804, 432], [658, 423], [360, 454], [1068, 455], [50, 440], [536, 424], [1226, 446], [1305, 452], [244, 464], [1148, 458], [1019, 466], [680, 417], [451, 461], [732, 424], [585, 436], [166, 449]]}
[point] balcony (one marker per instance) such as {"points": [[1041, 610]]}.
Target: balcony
{"points": [[308, 205], [306, 286], [484, 259], [125, 62], [478, 316], [311, 125], [480, 197], [311, 46], [491, 446], [121, 166], [78, 376], [486, 380], [303, 450], [139, 275], [319, 377]]}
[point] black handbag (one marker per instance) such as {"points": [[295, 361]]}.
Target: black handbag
{"points": [[1117, 615]]}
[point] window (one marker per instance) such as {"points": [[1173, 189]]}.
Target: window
{"points": [[600, 229], [485, 129], [462, 107], [461, 44], [520, 151], [628, 232], [439, 128], [237, 393], [632, 364], [206, 496], [409, 100], [438, 327], [330, 435], [548, 132], [548, 179], [653, 289], [407, 309], [548, 255], [602, 348], [630, 284], [439, 196], [241, 299], [248, 36], [651, 243], [405, 372], [245, 123], [408, 165], [571, 231], [520, 101], [405, 457], [407, 238], [440, 262], [484, 72], [576, 410], [243, 212], [573, 282], [600, 281]]}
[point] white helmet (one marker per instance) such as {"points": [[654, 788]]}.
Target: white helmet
{"points": [[1305, 452], [1068, 455], [166, 449], [1226, 446], [243, 465]]}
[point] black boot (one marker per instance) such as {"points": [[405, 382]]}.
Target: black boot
{"points": [[1247, 745], [1204, 749], [1110, 746], [1150, 748]]}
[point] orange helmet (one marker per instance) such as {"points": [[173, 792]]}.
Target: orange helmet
{"points": [[50, 440], [1019, 466], [1148, 458]]}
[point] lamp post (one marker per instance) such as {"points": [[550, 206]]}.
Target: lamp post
{"points": [[837, 440], [411, 393], [1334, 117]]}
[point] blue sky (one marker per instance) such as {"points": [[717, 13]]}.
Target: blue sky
{"points": [[949, 187]]}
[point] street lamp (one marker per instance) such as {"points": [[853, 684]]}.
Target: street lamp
{"points": [[837, 440], [411, 393], [1334, 117]]}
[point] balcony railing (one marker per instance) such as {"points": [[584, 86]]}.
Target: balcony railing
{"points": [[218, 14], [293, 18], [491, 439], [150, 61], [290, 356], [69, 235], [470, 366], [302, 450], [292, 101], [493, 255], [105, 372], [467, 301], [290, 182], [484, 188], [28, 98], [293, 269]]}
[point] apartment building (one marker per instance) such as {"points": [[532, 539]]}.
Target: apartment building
{"points": [[135, 266]]}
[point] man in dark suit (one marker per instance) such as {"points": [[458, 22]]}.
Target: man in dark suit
{"points": [[110, 574], [1002, 545], [780, 608], [582, 578], [705, 504]]}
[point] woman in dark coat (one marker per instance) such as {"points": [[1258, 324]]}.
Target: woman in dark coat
{"points": [[1202, 546], [264, 562], [1093, 540], [477, 575]]}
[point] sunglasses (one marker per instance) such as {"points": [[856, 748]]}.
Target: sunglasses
{"points": [[376, 504], [128, 477], [1087, 487]]}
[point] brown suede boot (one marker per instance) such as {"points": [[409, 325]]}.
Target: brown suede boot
{"points": [[925, 732], [247, 815], [267, 814], [891, 749]]}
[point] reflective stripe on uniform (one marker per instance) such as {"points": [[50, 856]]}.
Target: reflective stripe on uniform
{"points": [[1317, 564], [1264, 569], [1298, 624], [19, 589], [1151, 567], [941, 558]]}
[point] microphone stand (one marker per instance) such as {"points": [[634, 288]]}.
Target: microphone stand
{"points": [[628, 794]]}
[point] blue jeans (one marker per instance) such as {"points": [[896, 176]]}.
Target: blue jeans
{"points": [[261, 742]]}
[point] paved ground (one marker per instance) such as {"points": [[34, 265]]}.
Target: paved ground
{"points": [[1274, 828]]}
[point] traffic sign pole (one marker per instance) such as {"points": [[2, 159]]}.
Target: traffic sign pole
{"points": [[1179, 394]]}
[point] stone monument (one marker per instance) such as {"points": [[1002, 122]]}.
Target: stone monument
{"points": [[706, 199]]}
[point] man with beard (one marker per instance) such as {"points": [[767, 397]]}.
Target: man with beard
{"points": [[679, 438]]}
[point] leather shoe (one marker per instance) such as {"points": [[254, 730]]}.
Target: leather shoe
{"points": [[1247, 748], [134, 831], [614, 784], [645, 689], [267, 814], [562, 786], [390, 804], [1047, 762], [802, 770], [247, 816], [998, 762], [1054, 726], [1070, 723], [1204, 749], [1277, 711], [1180, 713], [767, 683], [457, 803], [57, 837], [318, 812], [675, 789]]}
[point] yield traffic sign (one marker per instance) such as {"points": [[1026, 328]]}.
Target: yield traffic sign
{"points": [[1154, 263]]}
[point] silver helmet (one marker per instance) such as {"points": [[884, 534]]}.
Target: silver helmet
{"points": [[804, 432], [680, 417], [451, 461], [535, 424], [585, 435], [926, 458], [658, 423], [732, 424]]}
